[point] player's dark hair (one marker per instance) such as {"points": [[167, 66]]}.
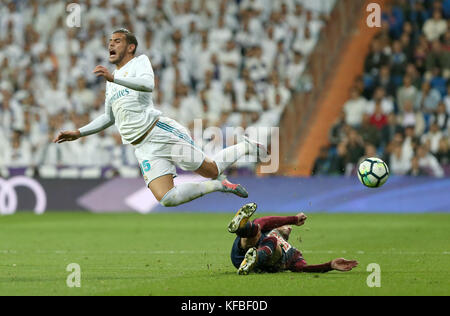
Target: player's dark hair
{"points": [[130, 37]]}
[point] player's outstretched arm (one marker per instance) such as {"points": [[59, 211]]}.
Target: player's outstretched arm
{"points": [[343, 265], [339, 264], [67, 136], [99, 124]]}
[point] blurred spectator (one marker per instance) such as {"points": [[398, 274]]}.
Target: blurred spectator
{"points": [[429, 162], [355, 109], [441, 117], [433, 138], [399, 164], [369, 133], [435, 27], [409, 117], [416, 170], [407, 92], [338, 162], [321, 166], [355, 147], [427, 99]]}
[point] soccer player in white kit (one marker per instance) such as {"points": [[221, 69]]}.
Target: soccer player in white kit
{"points": [[160, 143]]}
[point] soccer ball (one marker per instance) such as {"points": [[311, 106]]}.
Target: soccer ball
{"points": [[373, 172]]}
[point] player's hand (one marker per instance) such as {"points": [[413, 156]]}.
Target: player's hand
{"points": [[67, 136], [343, 265], [301, 219], [101, 71]]}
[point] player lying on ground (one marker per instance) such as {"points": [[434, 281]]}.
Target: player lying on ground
{"points": [[262, 245], [160, 143]]}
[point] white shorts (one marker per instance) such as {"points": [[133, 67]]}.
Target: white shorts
{"points": [[167, 146]]}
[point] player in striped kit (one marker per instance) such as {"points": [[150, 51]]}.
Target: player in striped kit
{"points": [[263, 245]]}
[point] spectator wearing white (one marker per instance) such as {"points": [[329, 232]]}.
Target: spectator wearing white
{"points": [[398, 164], [85, 96], [407, 92], [387, 105], [230, 61], [202, 57], [277, 94], [151, 49], [409, 117], [269, 47], [441, 117], [315, 24], [174, 74], [429, 162], [50, 154], [428, 98], [214, 94], [281, 61], [234, 118], [295, 70], [88, 152], [190, 107], [170, 110], [11, 112], [250, 103], [258, 70], [244, 36], [432, 138], [271, 114], [408, 143], [306, 43], [435, 27], [219, 35], [121, 157], [298, 18], [20, 154], [355, 108], [210, 115]]}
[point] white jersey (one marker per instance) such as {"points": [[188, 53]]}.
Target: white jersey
{"points": [[133, 110]]}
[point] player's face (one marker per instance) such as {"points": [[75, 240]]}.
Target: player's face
{"points": [[117, 48]]}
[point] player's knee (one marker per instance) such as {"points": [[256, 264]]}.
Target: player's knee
{"points": [[165, 200], [210, 169]]}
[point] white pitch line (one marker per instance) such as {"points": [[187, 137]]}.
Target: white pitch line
{"points": [[206, 252]]}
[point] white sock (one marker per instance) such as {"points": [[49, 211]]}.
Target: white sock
{"points": [[225, 158], [187, 192]]}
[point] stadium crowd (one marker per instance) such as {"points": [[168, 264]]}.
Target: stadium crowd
{"points": [[227, 62], [400, 106]]}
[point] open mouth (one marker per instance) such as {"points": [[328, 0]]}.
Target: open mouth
{"points": [[112, 53]]}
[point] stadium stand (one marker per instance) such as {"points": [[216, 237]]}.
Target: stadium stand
{"points": [[399, 107], [228, 63]]}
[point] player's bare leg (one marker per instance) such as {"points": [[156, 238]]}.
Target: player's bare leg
{"points": [[161, 186], [169, 195]]}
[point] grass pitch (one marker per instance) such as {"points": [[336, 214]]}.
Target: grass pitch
{"points": [[188, 254]]}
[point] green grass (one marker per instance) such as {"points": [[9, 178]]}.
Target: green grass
{"points": [[188, 254]]}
